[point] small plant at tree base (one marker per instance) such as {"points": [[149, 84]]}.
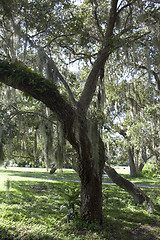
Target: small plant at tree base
{"points": [[71, 195]]}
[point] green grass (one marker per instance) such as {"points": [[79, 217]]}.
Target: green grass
{"points": [[32, 209], [144, 180]]}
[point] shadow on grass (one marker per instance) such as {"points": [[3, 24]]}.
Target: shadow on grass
{"points": [[34, 199], [125, 217], [5, 235]]}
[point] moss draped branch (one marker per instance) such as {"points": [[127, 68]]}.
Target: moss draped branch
{"points": [[18, 76]]}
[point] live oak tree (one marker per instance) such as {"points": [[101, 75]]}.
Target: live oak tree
{"points": [[48, 36]]}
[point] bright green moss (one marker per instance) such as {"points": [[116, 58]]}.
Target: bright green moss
{"points": [[21, 74]]}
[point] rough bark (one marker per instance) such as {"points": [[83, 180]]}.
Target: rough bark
{"points": [[91, 199], [90, 174]]}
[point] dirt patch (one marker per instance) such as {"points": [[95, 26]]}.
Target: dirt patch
{"points": [[39, 188]]}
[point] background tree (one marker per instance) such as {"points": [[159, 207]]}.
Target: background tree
{"points": [[132, 119], [25, 138]]}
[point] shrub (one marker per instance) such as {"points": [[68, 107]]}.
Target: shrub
{"points": [[150, 169]]}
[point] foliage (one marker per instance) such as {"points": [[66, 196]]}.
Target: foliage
{"points": [[71, 196], [150, 169], [75, 33], [132, 123], [23, 140]]}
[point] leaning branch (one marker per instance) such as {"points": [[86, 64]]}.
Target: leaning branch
{"points": [[128, 186], [18, 76]]}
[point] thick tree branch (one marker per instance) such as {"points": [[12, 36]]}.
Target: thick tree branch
{"points": [[91, 82], [128, 186], [112, 19], [20, 77], [53, 66], [125, 6]]}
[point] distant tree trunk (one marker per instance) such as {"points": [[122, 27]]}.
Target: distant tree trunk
{"points": [[1, 152], [133, 171], [53, 168], [141, 167], [144, 159], [136, 158], [157, 155]]}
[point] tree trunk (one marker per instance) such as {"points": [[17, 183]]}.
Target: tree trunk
{"points": [[91, 199], [133, 171], [90, 170], [144, 159], [141, 167]]}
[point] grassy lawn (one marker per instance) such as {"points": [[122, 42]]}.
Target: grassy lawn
{"points": [[33, 206]]}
